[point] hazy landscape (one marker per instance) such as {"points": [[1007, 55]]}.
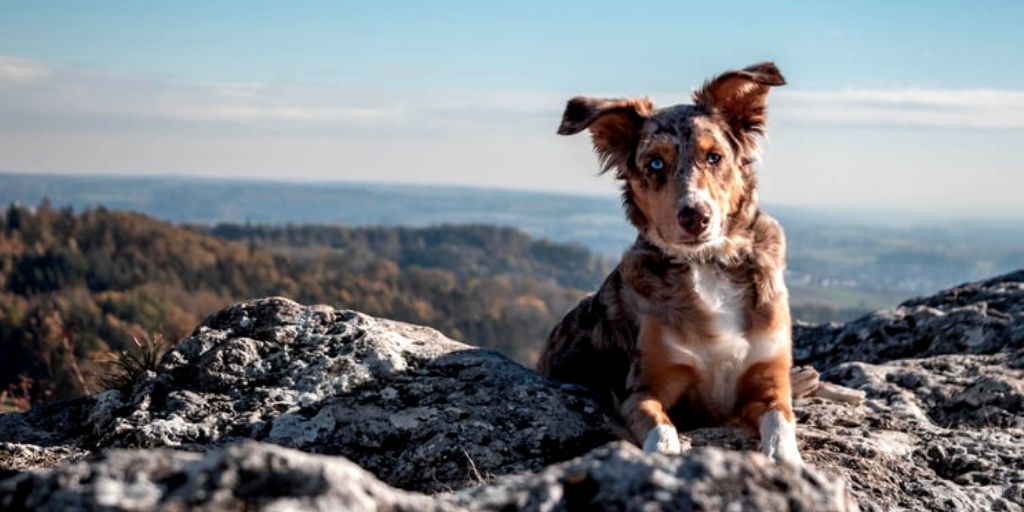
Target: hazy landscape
{"points": [[848, 261], [91, 267]]}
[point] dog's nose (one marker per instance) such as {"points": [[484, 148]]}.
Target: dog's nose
{"points": [[694, 221]]}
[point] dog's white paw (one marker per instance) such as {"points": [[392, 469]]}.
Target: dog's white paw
{"points": [[663, 439], [778, 439]]}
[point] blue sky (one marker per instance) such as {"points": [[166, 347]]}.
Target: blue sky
{"points": [[913, 105], [534, 44]]}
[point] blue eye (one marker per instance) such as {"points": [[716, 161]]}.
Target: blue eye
{"points": [[714, 158], [656, 164]]}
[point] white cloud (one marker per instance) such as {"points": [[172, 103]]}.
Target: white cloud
{"points": [[33, 93], [247, 112], [21, 71], [921, 108]]}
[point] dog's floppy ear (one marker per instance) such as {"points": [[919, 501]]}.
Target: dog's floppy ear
{"points": [[613, 123], [740, 96]]}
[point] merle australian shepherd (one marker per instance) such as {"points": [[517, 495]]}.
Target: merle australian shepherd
{"points": [[692, 327]]}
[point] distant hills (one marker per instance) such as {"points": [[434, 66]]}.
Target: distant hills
{"points": [[848, 261], [594, 222]]}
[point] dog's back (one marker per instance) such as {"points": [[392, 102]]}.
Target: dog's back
{"points": [[594, 345]]}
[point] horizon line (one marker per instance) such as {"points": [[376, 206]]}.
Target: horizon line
{"points": [[864, 216]]}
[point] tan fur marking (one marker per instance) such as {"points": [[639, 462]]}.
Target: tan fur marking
{"points": [[765, 386], [723, 181], [664, 148], [659, 384], [659, 205], [705, 143], [768, 319], [652, 409], [666, 379]]}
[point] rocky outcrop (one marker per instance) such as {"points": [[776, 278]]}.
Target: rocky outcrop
{"points": [[257, 476], [420, 411], [621, 477], [242, 476], [976, 318], [398, 410], [943, 426]]}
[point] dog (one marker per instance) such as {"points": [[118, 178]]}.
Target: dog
{"points": [[693, 324]]}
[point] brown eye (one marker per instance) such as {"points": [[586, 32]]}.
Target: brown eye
{"points": [[713, 158]]}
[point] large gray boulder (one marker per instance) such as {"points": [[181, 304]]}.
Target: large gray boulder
{"points": [[986, 317], [621, 477], [244, 476], [420, 411], [942, 426], [256, 476]]}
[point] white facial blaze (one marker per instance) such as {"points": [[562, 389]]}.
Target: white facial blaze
{"points": [[701, 198]]}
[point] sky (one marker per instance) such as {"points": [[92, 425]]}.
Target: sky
{"points": [[890, 106]]}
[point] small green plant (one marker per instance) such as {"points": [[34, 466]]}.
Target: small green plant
{"points": [[128, 365]]}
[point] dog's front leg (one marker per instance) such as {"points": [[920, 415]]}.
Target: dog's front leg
{"points": [[655, 385], [649, 423], [767, 406]]}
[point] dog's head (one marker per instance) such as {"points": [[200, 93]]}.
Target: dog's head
{"points": [[686, 169]]}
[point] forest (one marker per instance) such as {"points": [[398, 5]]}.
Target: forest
{"points": [[78, 289]]}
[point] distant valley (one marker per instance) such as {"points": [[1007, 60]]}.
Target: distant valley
{"points": [[840, 264]]}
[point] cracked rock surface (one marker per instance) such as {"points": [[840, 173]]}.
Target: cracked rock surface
{"points": [[259, 476], [272, 405], [420, 411]]}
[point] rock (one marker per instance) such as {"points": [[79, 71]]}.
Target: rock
{"points": [[918, 442], [420, 411], [16, 457], [975, 318], [245, 476], [621, 477], [43, 436], [256, 476], [942, 425]]}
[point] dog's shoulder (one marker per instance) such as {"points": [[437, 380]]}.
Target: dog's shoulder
{"points": [[594, 340], [765, 263], [590, 310], [769, 236]]}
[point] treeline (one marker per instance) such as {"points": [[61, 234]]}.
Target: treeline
{"points": [[76, 287], [465, 250]]}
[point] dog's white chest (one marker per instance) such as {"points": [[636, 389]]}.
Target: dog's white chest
{"points": [[721, 360], [722, 298]]}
